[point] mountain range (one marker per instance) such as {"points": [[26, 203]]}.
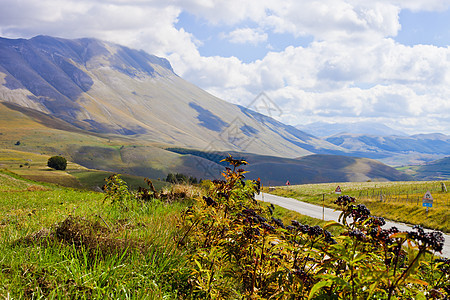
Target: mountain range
{"points": [[110, 107], [323, 129]]}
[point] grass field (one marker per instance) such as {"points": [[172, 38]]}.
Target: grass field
{"points": [[397, 201], [58, 242], [34, 167]]}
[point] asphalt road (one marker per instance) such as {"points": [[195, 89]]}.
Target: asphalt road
{"points": [[329, 214]]}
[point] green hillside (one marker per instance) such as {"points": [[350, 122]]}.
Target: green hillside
{"points": [[30, 131], [435, 170]]}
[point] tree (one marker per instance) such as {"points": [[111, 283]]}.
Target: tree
{"points": [[57, 162], [171, 178]]}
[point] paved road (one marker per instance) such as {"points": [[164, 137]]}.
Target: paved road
{"points": [[315, 211]]}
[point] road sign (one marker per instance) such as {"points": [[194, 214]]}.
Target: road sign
{"points": [[338, 190], [288, 183], [427, 200]]}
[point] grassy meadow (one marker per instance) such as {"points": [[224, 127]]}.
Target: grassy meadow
{"points": [[34, 167], [61, 238], [397, 201], [64, 242], [59, 242]]}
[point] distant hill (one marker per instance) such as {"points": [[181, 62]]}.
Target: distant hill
{"points": [[395, 150], [321, 129], [377, 141], [318, 168], [435, 170]]}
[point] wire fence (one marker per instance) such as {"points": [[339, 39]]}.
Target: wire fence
{"points": [[412, 194]]}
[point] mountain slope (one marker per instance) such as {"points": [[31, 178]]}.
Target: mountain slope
{"points": [[321, 129], [435, 170], [396, 150], [31, 131], [27, 130], [107, 88]]}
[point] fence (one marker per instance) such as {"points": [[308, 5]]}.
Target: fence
{"points": [[412, 194]]}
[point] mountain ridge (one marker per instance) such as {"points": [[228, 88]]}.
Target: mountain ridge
{"points": [[324, 130]]}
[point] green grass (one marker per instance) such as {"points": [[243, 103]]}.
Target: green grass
{"points": [[34, 167], [92, 178], [120, 254], [58, 242], [402, 201]]}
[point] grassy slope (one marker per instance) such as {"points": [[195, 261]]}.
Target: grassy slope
{"points": [[401, 200], [114, 153], [439, 169], [132, 155], [34, 167]]}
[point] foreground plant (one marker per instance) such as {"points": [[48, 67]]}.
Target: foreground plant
{"points": [[239, 250]]}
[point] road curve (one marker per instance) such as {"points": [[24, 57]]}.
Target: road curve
{"points": [[329, 214]]}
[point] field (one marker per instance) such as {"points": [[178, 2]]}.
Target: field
{"points": [[34, 167], [59, 242], [397, 201], [66, 239]]}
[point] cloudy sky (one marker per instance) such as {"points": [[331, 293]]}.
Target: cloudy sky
{"points": [[386, 61]]}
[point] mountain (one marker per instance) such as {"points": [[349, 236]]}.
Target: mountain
{"points": [[322, 129], [316, 168], [109, 107], [111, 89], [435, 170], [27, 130], [395, 149]]}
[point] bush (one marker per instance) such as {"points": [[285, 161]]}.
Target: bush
{"points": [[181, 178], [57, 163]]}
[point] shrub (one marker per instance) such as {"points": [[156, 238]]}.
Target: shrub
{"points": [[116, 190], [181, 178], [57, 163]]}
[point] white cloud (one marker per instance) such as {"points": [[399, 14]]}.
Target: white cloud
{"points": [[420, 5], [246, 36]]}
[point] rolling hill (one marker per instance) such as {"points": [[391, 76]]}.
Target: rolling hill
{"points": [[434, 170], [395, 150]]}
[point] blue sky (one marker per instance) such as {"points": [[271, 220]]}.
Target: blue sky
{"points": [[213, 40], [424, 28], [384, 61]]}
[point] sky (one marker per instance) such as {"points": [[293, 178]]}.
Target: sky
{"points": [[335, 61]]}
